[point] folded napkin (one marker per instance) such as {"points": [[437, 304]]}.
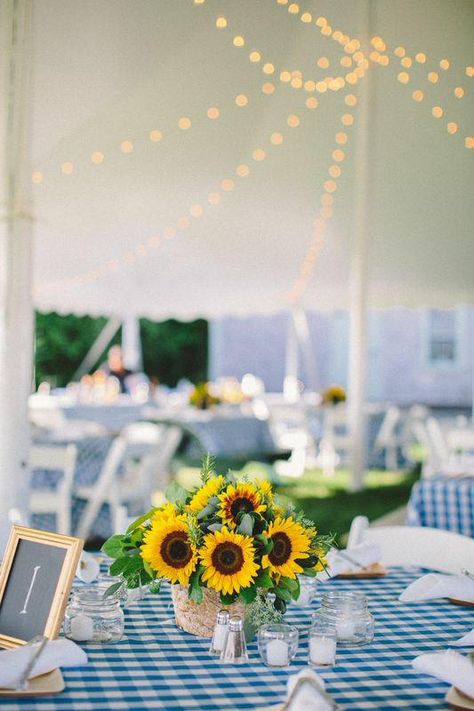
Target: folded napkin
{"points": [[307, 697], [448, 666], [88, 568], [364, 554], [436, 585], [56, 653], [466, 641]]}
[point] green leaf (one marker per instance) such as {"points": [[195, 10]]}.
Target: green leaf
{"points": [[288, 583], [279, 605], [113, 546], [195, 592], [175, 493], [155, 586], [141, 519], [248, 595], [215, 527], [118, 566], [113, 589], [309, 572], [227, 598], [246, 525], [265, 542], [283, 594], [263, 579], [206, 511], [295, 593], [149, 569]]}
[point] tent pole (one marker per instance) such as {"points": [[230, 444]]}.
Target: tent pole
{"points": [[16, 232], [98, 347], [131, 344], [359, 275]]}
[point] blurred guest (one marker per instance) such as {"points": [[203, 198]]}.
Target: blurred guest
{"points": [[116, 368]]}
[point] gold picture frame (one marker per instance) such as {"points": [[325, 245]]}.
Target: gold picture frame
{"points": [[40, 566]]}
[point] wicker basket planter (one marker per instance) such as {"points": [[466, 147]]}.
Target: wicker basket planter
{"points": [[199, 619]]}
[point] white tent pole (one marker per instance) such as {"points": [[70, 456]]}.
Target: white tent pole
{"points": [[131, 344], [98, 347], [290, 384], [16, 311], [357, 378]]}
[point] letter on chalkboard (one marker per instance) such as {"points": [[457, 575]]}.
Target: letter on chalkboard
{"points": [[35, 573]]}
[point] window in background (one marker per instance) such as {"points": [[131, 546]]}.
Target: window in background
{"points": [[442, 342]]}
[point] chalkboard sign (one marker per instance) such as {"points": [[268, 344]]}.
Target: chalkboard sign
{"points": [[35, 581]]}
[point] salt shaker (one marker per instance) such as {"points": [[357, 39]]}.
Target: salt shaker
{"points": [[235, 649], [220, 633]]}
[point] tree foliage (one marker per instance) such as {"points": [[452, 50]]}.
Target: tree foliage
{"points": [[171, 349]]}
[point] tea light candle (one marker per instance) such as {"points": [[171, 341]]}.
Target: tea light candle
{"points": [[277, 653], [82, 628], [322, 651]]}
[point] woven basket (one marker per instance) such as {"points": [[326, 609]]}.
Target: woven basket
{"points": [[199, 618]]}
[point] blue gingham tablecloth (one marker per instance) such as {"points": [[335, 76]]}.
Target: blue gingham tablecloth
{"points": [[156, 666], [443, 502]]}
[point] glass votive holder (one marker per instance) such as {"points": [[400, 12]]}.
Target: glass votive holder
{"points": [[307, 591], [348, 613], [277, 644], [322, 644], [91, 617]]}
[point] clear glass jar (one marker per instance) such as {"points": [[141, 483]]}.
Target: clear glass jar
{"points": [[322, 643], [277, 644], [348, 613], [307, 591], [91, 617]]}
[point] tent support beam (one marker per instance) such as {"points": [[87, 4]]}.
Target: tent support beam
{"points": [[358, 287], [16, 234]]}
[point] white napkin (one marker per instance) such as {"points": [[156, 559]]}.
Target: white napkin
{"points": [[56, 653], [88, 568], [364, 553], [436, 585], [307, 698], [466, 641], [448, 666]]}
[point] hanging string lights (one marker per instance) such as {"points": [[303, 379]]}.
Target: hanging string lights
{"points": [[355, 61]]}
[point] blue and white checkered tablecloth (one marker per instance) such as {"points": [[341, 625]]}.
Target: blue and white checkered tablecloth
{"points": [[156, 666], [443, 502]]}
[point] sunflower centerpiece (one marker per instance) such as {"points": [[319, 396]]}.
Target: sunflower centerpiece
{"points": [[228, 542]]}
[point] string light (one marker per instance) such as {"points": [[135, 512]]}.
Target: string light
{"points": [[221, 22], [238, 41], [184, 123], [67, 168], [37, 177], [241, 100], [437, 111], [255, 56], [213, 113], [276, 138], [452, 127], [155, 136], [268, 88], [242, 170], [459, 92], [126, 147], [293, 121]]}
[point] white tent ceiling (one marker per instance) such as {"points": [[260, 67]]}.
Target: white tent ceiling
{"points": [[108, 72]]}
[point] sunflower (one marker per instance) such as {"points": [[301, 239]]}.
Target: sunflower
{"points": [[265, 489], [228, 558], [201, 498], [290, 543], [168, 550], [242, 497], [164, 513]]}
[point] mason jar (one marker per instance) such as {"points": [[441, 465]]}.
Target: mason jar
{"points": [[90, 617], [348, 613]]}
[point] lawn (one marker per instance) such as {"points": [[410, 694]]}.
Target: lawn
{"points": [[327, 500]]}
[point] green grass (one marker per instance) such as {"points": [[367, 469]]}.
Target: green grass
{"points": [[327, 500]]}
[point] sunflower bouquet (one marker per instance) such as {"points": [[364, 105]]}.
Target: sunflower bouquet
{"points": [[228, 539]]}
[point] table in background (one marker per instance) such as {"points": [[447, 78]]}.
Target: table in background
{"points": [[443, 502], [158, 666]]}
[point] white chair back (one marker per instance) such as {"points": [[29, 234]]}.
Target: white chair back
{"points": [[432, 548], [59, 501]]}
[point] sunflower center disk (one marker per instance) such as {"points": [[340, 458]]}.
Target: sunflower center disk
{"points": [[281, 549], [175, 549], [227, 558], [241, 504]]}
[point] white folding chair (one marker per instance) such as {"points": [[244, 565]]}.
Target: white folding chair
{"points": [[57, 501], [138, 460], [432, 548], [387, 439]]}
